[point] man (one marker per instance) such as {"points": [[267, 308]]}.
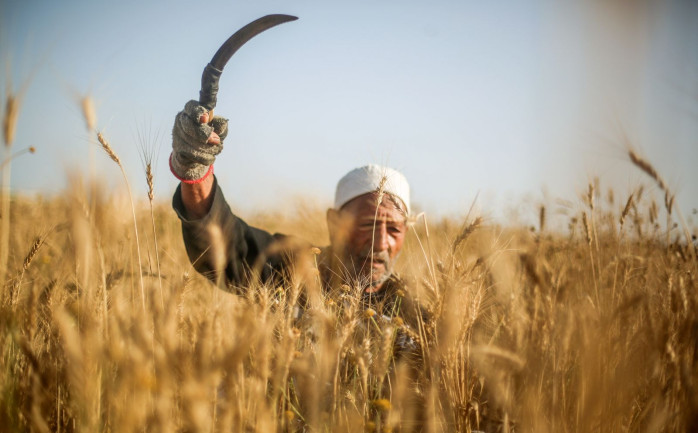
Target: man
{"points": [[367, 225]]}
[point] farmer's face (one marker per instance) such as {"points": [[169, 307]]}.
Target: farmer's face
{"points": [[368, 237]]}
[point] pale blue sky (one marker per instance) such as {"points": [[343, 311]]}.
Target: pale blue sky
{"points": [[521, 101]]}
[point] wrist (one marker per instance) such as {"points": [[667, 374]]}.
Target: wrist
{"points": [[197, 198], [189, 175]]}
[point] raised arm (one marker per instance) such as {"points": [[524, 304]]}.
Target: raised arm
{"points": [[196, 141], [197, 136], [220, 245]]}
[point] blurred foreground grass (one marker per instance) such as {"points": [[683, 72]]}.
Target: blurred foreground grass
{"points": [[592, 328]]}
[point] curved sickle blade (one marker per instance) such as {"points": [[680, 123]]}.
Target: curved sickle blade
{"points": [[213, 71]]}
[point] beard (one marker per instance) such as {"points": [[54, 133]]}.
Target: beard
{"points": [[373, 268]]}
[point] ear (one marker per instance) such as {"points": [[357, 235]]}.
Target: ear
{"points": [[333, 224], [338, 224]]}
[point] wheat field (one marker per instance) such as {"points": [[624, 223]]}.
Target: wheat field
{"points": [[592, 327]]}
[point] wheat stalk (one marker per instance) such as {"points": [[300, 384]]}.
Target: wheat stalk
{"points": [[465, 232], [590, 195], [9, 159], [32, 253], [380, 192], [88, 112], [13, 102], [9, 126], [646, 167], [36, 245], [587, 230], [108, 149], [626, 210], [9, 120], [5, 204], [148, 151], [149, 181]]}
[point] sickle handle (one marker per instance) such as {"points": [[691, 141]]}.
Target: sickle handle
{"points": [[209, 87]]}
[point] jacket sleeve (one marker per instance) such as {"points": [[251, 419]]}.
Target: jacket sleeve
{"points": [[226, 250]]}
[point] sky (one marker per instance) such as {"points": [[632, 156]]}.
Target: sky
{"points": [[508, 104]]}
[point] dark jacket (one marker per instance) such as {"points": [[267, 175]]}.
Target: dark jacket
{"points": [[246, 255], [222, 237]]}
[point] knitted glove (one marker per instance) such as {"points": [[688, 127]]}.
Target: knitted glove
{"points": [[192, 156]]}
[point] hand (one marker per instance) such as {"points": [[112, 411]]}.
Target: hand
{"points": [[196, 142], [219, 124]]}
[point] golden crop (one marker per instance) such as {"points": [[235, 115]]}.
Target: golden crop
{"points": [[594, 328]]}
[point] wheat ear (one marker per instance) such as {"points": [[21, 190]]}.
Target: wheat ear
{"points": [[38, 242], [466, 231], [645, 166]]}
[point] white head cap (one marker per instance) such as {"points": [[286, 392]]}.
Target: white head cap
{"points": [[368, 179]]}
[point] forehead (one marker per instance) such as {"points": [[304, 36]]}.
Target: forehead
{"points": [[364, 207]]}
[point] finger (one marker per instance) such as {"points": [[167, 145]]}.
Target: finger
{"points": [[204, 118], [190, 131], [194, 110], [220, 125], [213, 139]]}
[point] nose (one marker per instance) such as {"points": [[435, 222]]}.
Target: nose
{"points": [[380, 239]]}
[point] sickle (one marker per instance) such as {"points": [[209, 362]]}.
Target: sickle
{"points": [[212, 71]]}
